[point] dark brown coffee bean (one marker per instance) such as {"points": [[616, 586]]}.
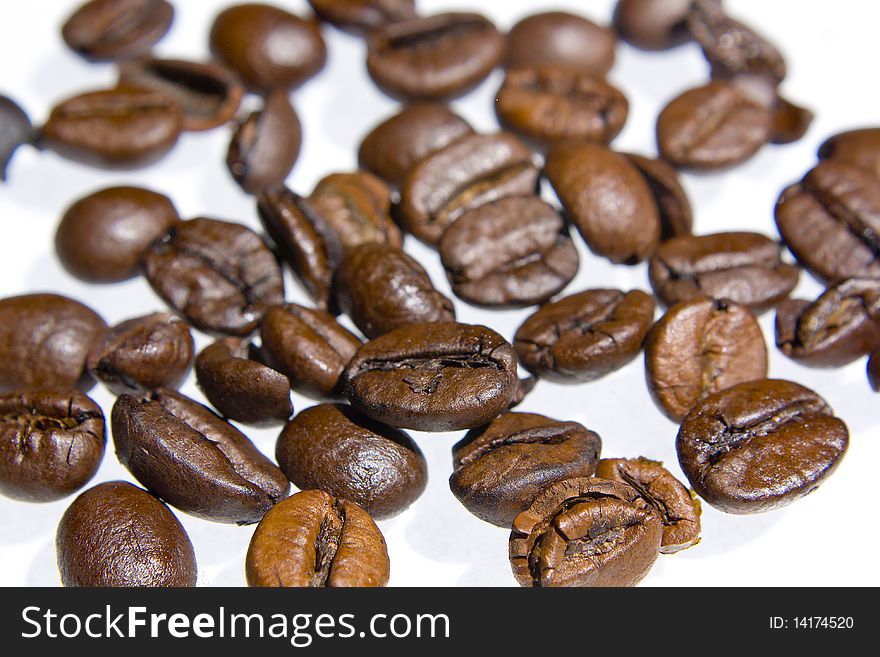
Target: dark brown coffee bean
{"points": [[790, 122], [676, 216], [550, 104], [267, 46], [699, 347], [584, 336], [678, 509], [240, 388], [52, 443], [194, 459], [15, 130], [745, 268], [509, 253], [313, 539], [585, 532], [220, 276], [309, 347], [103, 236], [44, 341], [116, 128], [397, 144], [652, 24], [332, 447], [113, 30], [524, 388], [858, 147], [874, 370], [361, 15], [433, 57], [499, 469], [558, 38], [474, 170], [841, 326], [441, 376], [607, 199], [383, 288], [116, 534]]}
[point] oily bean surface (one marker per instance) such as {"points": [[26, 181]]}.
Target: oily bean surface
{"points": [[363, 15], [673, 204], [15, 130], [114, 30], [859, 147], [558, 38], [652, 24]]}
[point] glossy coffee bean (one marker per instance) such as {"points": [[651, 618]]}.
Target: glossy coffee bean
{"points": [[760, 445], [193, 459], [15, 130], [652, 24], [333, 448], [874, 370], [51, 443], [313, 539], [790, 122], [699, 347], [584, 336], [362, 15], [673, 204], [44, 341], [858, 147], [116, 534], [499, 469], [113, 30], [441, 376], [562, 39], [220, 276], [585, 532]]}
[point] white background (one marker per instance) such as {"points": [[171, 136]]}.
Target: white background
{"points": [[829, 538]]}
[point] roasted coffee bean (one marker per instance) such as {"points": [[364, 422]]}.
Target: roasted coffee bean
{"points": [[44, 341], [208, 94], [790, 122], [745, 268], [699, 347], [584, 336], [116, 128], [141, 354], [841, 326], [267, 46], [51, 443], [103, 236], [858, 147], [474, 170], [15, 130], [607, 199], [332, 447], [874, 370], [679, 511], [113, 30], [676, 216], [313, 539], [585, 532], [513, 252], [383, 288], [499, 469], [831, 221], [652, 24], [561, 39], [550, 104], [760, 445], [441, 376], [394, 146], [220, 276], [433, 57], [524, 388], [116, 534], [309, 347], [361, 15], [194, 459], [240, 388]]}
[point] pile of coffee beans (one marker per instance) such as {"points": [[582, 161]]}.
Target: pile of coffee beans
{"points": [[438, 286]]}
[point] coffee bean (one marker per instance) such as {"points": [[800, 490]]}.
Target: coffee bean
{"points": [[679, 511], [699, 347], [652, 24], [760, 445], [116, 534], [362, 15], [44, 341], [585, 532], [745, 268], [313, 539], [584, 336], [561, 39], [874, 370], [333, 448], [441, 376], [193, 459], [676, 216], [113, 30], [433, 57], [52, 443], [220, 276], [499, 469], [509, 253], [103, 236], [240, 388], [15, 130], [790, 122], [858, 147], [267, 46], [116, 128], [470, 172]]}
